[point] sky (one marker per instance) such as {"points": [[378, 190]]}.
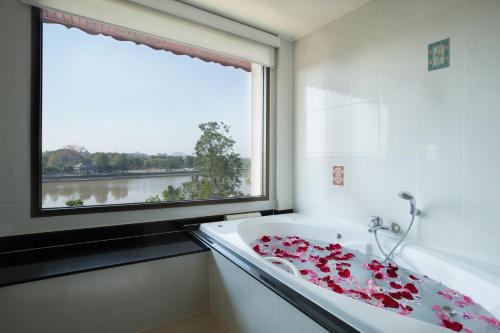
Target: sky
{"points": [[116, 96]]}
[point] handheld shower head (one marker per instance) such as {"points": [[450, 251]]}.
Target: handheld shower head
{"points": [[413, 204]]}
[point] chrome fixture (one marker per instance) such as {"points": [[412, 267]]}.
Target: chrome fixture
{"points": [[377, 223], [413, 204]]}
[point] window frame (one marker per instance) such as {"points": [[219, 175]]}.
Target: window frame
{"points": [[36, 146]]}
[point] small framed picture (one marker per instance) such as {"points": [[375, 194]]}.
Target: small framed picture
{"points": [[439, 55]]}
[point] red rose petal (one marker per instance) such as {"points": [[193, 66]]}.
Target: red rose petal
{"points": [[396, 295], [392, 273], [333, 247], [411, 288], [265, 239], [407, 295], [302, 249], [345, 273], [395, 285], [452, 325], [375, 265], [379, 276], [413, 277], [336, 288], [389, 302]]}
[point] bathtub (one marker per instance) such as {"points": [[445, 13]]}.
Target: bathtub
{"points": [[478, 280]]}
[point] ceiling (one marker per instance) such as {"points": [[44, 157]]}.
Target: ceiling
{"points": [[291, 19]]}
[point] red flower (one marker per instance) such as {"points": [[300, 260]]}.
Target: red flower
{"points": [[452, 325], [304, 271], [265, 239], [379, 276], [287, 244], [411, 288], [395, 285], [413, 277]]}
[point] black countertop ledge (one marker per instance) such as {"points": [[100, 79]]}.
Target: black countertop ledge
{"points": [[31, 257], [37, 264]]}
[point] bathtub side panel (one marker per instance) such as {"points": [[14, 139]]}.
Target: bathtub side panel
{"points": [[244, 305]]}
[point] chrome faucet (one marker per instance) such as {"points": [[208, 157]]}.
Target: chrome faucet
{"points": [[377, 223]]}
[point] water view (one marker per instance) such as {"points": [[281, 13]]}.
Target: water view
{"points": [[113, 191]]}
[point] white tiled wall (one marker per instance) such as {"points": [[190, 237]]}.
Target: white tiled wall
{"points": [[364, 99], [244, 305], [116, 300]]}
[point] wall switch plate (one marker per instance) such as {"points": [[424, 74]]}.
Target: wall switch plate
{"points": [[338, 175]]}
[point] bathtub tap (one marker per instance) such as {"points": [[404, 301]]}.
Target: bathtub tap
{"points": [[377, 223]]}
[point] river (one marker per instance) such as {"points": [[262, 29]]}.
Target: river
{"points": [[112, 191]]}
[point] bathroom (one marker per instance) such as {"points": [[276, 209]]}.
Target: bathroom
{"points": [[335, 171]]}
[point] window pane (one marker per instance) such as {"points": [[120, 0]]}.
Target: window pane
{"points": [[124, 123]]}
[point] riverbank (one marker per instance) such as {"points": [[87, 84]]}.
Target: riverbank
{"points": [[63, 178]]}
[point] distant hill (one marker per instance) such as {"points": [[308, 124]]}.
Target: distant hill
{"points": [[178, 153]]}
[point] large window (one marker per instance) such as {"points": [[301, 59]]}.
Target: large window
{"points": [[124, 124]]}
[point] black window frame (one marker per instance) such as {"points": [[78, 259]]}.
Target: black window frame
{"points": [[36, 146]]}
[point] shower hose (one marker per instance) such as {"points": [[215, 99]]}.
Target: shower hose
{"points": [[387, 256]]}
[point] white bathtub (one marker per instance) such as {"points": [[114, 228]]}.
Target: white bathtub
{"points": [[478, 280]]}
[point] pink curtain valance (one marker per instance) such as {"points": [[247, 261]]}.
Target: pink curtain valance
{"points": [[98, 28]]}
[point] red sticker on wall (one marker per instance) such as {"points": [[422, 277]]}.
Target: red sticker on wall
{"points": [[338, 175]]}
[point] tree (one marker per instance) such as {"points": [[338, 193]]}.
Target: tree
{"points": [[172, 194], [219, 167], [74, 203], [119, 162], [101, 161]]}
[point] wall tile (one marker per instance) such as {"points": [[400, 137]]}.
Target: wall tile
{"points": [[482, 50], [316, 131], [398, 173], [315, 98], [159, 289], [363, 184], [365, 127], [439, 196], [481, 184], [61, 305], [337, 130], [481, 115], [14, 303], [440, 120]]}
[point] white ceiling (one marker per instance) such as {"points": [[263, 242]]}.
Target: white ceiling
{"points": [[292, 19]]}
